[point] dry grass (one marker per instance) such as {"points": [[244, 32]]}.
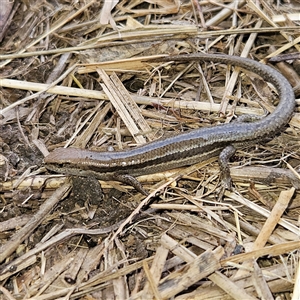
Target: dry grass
{"points": [[74, 73]]}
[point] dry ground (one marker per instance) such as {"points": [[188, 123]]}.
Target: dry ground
{"points": [[71, 74]]}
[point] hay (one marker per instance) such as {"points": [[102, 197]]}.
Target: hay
{"points": [[74, 73]]}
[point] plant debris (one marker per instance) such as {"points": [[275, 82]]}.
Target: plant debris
{"points": [[75, 73]]}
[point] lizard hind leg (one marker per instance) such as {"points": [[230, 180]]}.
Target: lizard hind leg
{"points": [[224, 158]]}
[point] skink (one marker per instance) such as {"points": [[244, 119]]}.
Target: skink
{"points": [[186, 148]]}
